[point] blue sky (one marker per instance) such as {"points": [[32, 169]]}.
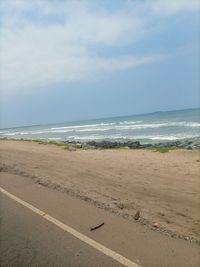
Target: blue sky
{"points": [[73, 60]]}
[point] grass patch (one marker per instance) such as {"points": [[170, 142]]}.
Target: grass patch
{"points": [[62, 145], [55, 143], [162, 149]]}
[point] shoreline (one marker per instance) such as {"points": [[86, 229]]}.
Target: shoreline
{"points": [[188, 143], [116, 192]]}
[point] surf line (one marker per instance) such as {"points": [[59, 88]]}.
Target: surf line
{"points": [[108, 252]]}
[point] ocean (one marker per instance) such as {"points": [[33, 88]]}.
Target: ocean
{"points": [[146, 128]]}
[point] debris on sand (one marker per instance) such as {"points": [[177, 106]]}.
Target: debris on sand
{"points": [[137, 215], [96, 227], [155, 225], [121, 206]]}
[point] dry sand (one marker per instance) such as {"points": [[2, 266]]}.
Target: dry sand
{"points": [[164, 187]]}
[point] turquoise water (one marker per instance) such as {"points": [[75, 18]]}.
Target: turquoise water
{"points": [[147, 128]]}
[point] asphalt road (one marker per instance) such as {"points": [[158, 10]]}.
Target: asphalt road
{"points": [[27, 239]]}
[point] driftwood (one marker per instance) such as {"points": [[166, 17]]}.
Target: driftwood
{"points": [[96, 227]]}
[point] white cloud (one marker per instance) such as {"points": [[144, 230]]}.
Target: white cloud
{"points": [[46, 42], [172, 7]]}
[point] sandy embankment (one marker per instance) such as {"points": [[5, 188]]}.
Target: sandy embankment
{"points": [[165, 188]]}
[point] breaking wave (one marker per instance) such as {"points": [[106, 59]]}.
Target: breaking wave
{"points": [[155, 127]]}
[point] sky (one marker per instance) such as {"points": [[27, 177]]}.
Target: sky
{"points": [[63, 60]]}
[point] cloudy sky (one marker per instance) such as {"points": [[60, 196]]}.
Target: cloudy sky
{"points": [[63, 60]]}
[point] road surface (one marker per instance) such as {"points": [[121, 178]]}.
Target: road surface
{"points": [[29, 239]]}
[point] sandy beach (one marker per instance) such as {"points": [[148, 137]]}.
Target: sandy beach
{"points": [[163, 187]]}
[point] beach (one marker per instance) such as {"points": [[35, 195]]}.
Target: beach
{"points": [[163, 187]]}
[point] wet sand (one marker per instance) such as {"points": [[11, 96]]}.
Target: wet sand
{"points": [[164, 187]]}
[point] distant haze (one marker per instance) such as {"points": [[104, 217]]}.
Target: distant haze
{"points": [[76, 60]]}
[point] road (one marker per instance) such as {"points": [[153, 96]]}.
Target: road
{"points": [[29, 239]]}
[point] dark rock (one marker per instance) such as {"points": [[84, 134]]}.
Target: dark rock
{"points": [[137, 215], [132, 144], [109, 144]]}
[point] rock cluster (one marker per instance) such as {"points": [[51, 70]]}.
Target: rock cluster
{"points": [[113, 144], [107, 144]]}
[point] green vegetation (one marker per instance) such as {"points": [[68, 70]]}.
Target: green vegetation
{"points": [[62, 145], [55, 143], [162, 149]]}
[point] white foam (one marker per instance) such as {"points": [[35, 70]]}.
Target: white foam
{"points": [[91, 137], [135, 137], [187, 124], [140, 126], [169, 137], [132, 126], [4, 132], [38, 132], [24, 133], [11, 134], [82, 126], [60, 131], [130, 122], [54, 138], [159, 125], [95, 129]]}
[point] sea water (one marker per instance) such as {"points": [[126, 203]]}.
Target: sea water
{"points": [[146, 128]]}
